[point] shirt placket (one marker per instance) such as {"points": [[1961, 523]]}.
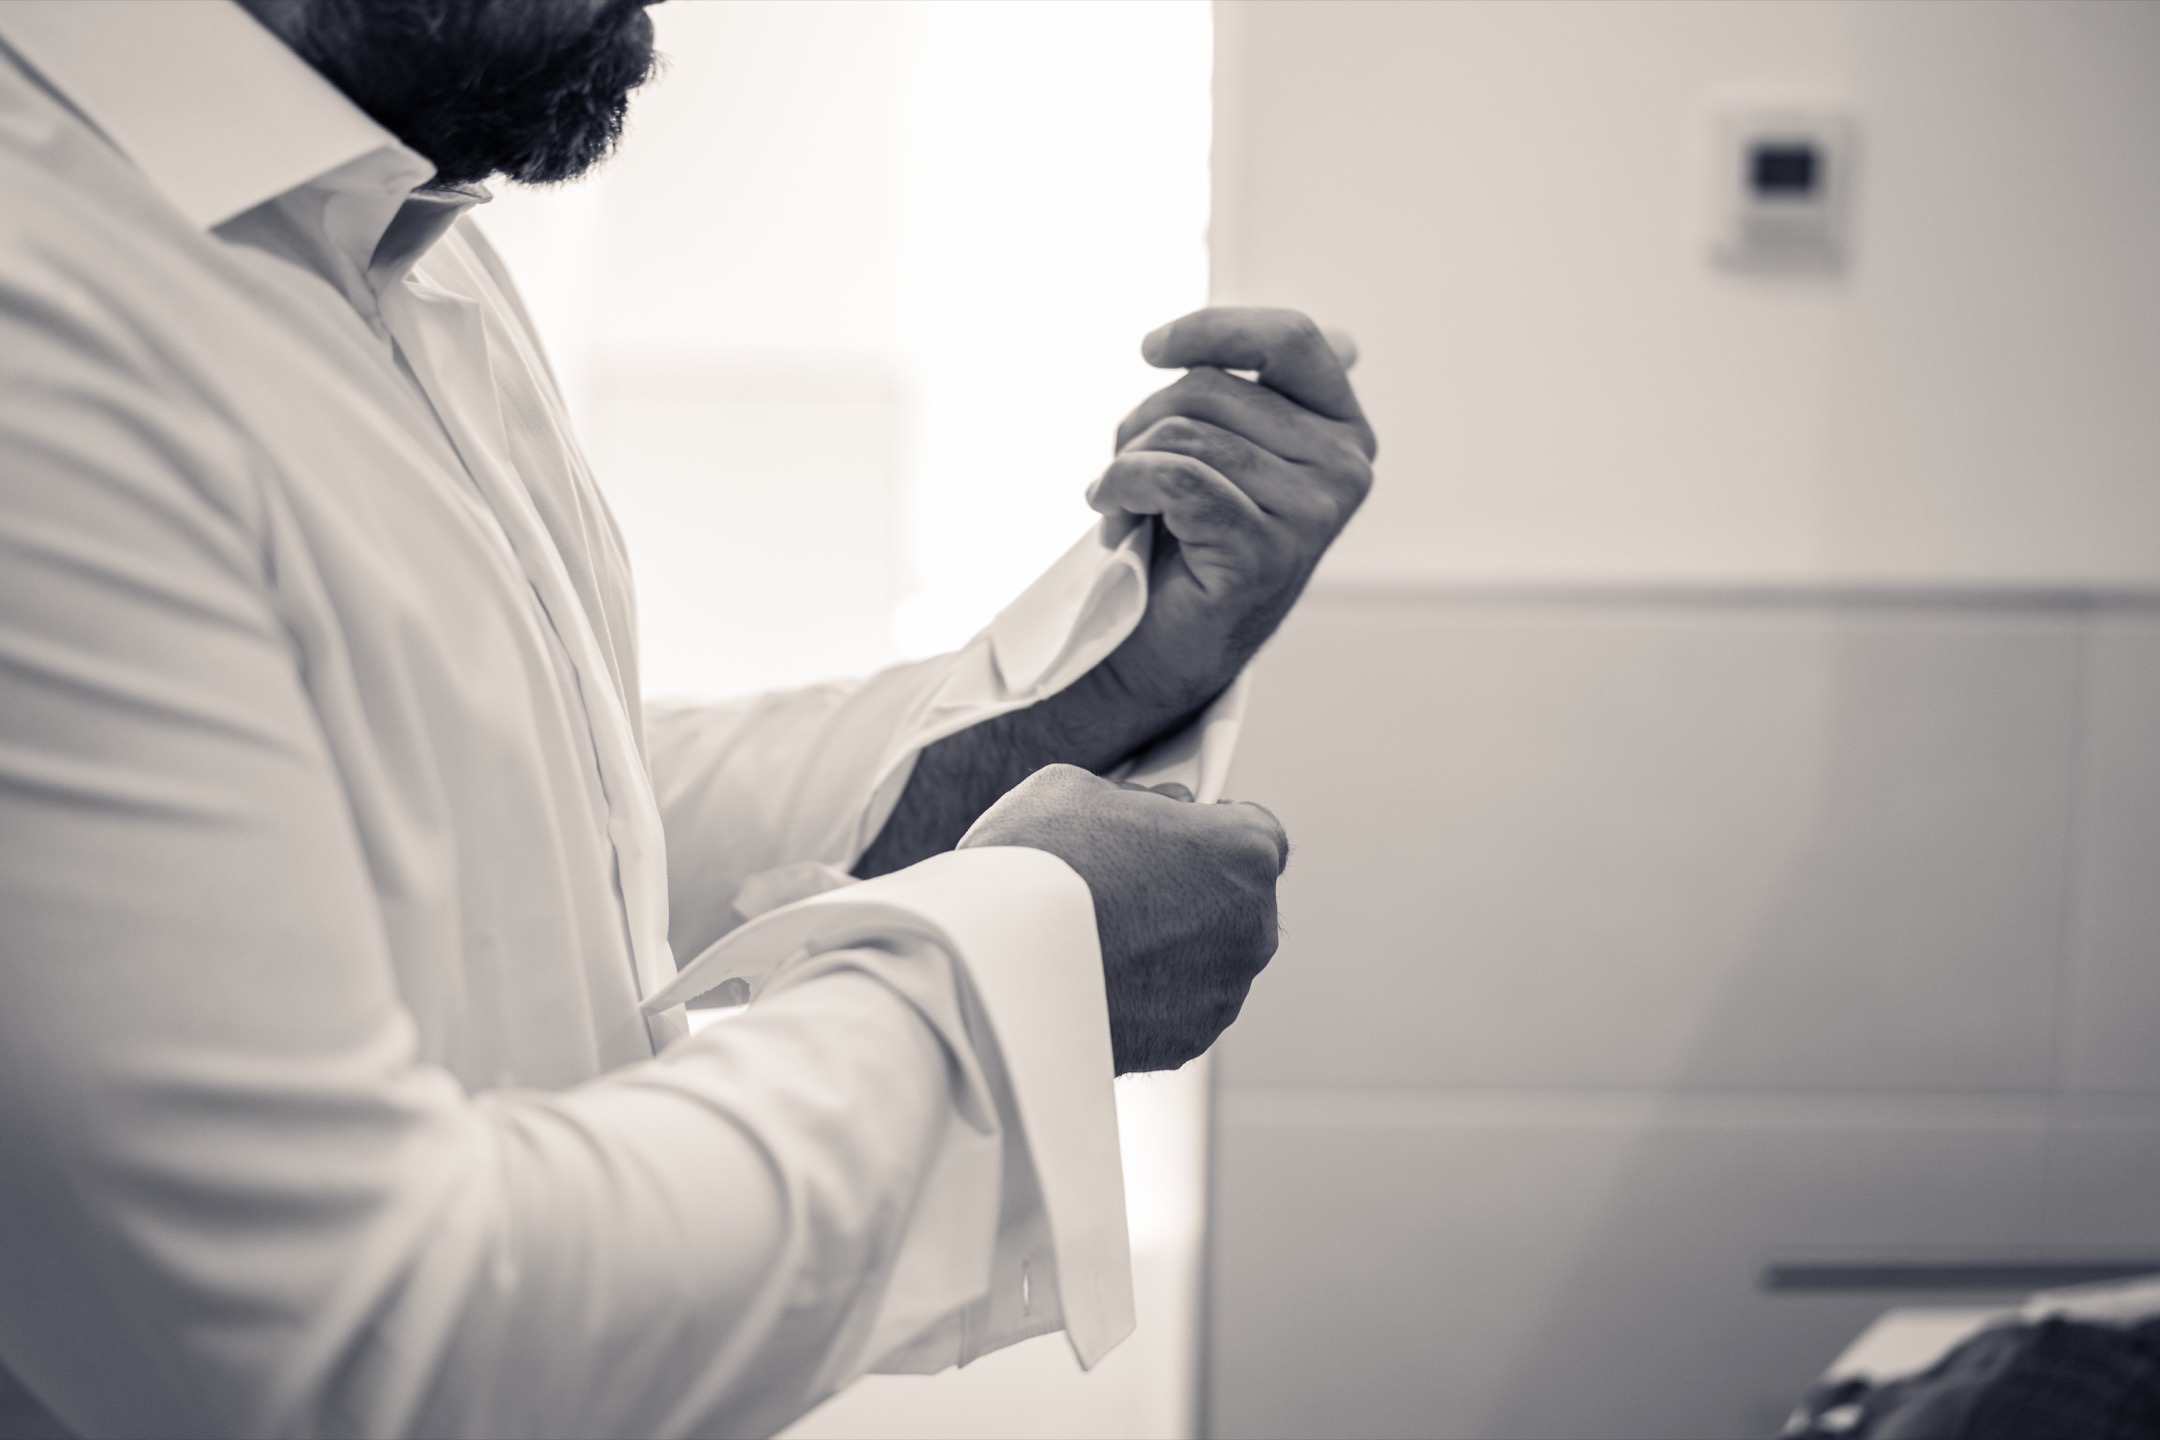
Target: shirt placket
{"points": [[443, 336]]}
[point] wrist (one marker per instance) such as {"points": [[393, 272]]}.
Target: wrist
{"points": [[1102, 719], [1097, 722]]}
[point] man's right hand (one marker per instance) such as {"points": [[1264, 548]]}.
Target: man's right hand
{"points": [[1184, 899]]}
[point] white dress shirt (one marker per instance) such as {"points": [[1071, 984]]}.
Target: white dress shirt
{"points": [[344, 1086]]}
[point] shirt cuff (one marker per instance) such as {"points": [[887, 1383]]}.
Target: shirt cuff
{"points": [[1063, 625], [1020, 1228]]}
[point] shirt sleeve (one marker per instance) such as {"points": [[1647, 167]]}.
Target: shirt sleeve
{"points": [[793, 778], [1027, 1005], [782, 793], [803, 780], [238, 1200]]}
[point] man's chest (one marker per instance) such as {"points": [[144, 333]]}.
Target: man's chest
{"points": [[464, 641]]}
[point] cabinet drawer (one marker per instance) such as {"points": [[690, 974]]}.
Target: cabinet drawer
{"points": [[1662, 846]]}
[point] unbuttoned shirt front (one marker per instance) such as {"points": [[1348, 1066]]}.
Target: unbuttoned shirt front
{"points": [[339, 852]]}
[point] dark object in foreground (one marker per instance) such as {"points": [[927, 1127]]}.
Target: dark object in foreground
{"points": [[2050, 1379]]}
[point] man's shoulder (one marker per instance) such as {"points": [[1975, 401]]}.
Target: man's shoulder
{"points": [[96, 271], [81, 231], [78, 287]]}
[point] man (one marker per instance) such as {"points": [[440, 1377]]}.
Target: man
{"points": [[343, 867]]}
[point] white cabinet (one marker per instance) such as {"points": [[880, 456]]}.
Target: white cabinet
{"points": [[1637, 944], [1510, 1265], [2112, 995]]}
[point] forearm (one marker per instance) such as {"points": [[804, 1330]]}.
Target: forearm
{"points": [[1096, 723], [267, 1238], [705, 1226]]}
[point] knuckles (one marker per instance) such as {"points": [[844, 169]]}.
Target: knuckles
{"points": [[1268, 854], [1174, 430], [1368, 442], [1184, 434], [1163, 421], [1213, 446], [1357, 476], [1303, 331], [1182, 477]]}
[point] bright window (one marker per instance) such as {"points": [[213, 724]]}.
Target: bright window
{"points": [[847, 328], [849, 322]]}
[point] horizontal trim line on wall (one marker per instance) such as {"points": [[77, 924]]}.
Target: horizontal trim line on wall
{"points": [[1976, 1273], [1349, 1107], [1447, 590]]}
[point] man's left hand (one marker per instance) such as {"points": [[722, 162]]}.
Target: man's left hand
{"points": [[1252, 478]]}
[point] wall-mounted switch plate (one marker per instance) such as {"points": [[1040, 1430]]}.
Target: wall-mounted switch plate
{"points": [[1783, 188]]}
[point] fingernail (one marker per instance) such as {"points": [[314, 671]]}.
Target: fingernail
{"points": [[1151, 345]]}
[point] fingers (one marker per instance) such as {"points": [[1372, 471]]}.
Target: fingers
{"points": [[1343, 343], [1272, 828], [1197, 503], [1259, 827], [1261, 415], [1061, 776], [1250, 409], [1253, 823], [1285, 349], [1304, 493], [1056, 786], [1168, 788]]}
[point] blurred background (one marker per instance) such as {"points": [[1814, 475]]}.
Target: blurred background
{"points": [[1725, 754], [846, 329]]}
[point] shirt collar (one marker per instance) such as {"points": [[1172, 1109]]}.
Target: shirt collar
{"points": [[220, 116]]}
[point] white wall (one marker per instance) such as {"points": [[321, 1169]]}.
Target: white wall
{"points": [[1506, 204], [1720, 753]]}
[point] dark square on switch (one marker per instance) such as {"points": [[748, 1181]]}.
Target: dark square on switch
{"points": [[1787, 171]]}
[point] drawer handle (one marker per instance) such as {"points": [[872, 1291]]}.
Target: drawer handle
{"points": [[1875, 1276]]}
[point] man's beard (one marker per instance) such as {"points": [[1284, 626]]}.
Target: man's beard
{"points": [[535, 90]]}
